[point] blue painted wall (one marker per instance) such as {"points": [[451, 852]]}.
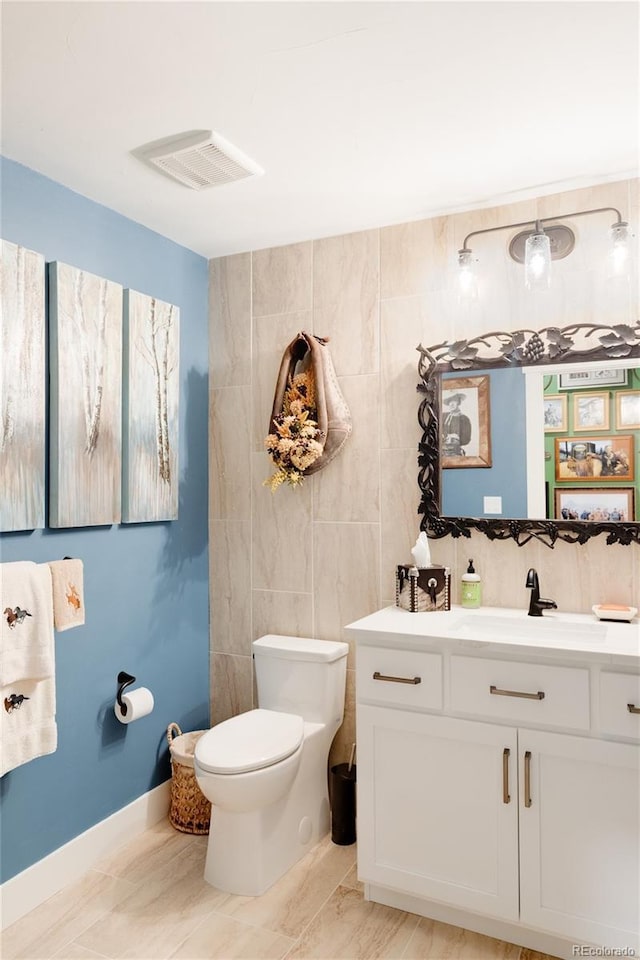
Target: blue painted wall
{"points": [[146, 585], [463, 489]]}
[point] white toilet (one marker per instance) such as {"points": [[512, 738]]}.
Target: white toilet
{"points": [[265, 771]]}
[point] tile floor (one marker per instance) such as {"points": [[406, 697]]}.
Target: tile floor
{"points": [[149, 901]]}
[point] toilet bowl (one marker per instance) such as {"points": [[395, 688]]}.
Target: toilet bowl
{"points": [[265, 771]]}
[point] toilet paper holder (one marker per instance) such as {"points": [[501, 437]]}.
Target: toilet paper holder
{"points": [[124, 680]]}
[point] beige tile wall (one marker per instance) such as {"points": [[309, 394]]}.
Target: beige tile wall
{"points": [[309, 561]]}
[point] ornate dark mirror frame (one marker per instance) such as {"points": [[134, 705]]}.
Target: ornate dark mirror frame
{"points": [[551, 345]]}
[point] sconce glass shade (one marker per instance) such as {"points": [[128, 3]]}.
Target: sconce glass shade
{"points": [[468, 281], [537, 261], [619, 244]]}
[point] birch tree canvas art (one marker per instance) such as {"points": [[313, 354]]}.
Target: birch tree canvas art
{"points": [[86, 407], [22, 388], [151, 392]]}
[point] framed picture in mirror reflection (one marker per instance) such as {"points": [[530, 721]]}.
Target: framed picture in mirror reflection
{"points": [[555, 413], [615, 504], [628, 410], [591, 411], [585, 459], [592, 377], [466, 427]]}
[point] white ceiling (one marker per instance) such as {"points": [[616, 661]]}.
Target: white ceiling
{"points": [[361, 114]]}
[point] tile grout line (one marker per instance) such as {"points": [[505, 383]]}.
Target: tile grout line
{"points": [[191, 932], [320, 909], [295, 940], [412, 934], [89, 923], [74, 943], [244, 923], [267, 929], [135, 885], [189, 841]]}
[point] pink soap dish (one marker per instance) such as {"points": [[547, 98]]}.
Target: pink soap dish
{"points": [[614, 611]]}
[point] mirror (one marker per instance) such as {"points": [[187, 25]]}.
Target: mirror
{"points": [[532, 434]]}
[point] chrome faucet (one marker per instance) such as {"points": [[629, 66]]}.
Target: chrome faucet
{"points": [[537, 604]]}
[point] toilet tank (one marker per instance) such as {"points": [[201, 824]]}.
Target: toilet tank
{"points": [[303, 676]]}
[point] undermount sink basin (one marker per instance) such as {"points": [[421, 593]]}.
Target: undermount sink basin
{"points": [[528, 628]]}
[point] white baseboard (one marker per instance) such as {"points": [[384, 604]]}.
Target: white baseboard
{"points": [[68, 863]]}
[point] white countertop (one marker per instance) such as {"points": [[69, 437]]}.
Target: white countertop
{"points": [[492, 629]]}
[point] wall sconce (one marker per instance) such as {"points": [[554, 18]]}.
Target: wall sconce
{"points": [[538, 245]]}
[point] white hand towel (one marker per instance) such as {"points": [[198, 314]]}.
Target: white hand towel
{"points": [[67, 578], [27, 722], [26, 628]]}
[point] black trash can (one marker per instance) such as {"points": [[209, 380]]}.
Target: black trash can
{"points": [[342, 797]]}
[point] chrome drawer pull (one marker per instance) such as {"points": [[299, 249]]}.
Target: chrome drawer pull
{"points": [[516, 693], [527, 778], [631, 707], [505, 775], [381, 676]]}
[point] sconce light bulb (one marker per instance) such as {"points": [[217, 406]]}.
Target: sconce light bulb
{"points": [[619, 243], [537, 261], [468, 281], [536, 264]]}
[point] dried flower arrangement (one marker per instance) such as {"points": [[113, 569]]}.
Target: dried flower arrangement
{"points": [[297, 442]]}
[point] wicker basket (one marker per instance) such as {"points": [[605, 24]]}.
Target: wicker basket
{"points": [[190, 811]]}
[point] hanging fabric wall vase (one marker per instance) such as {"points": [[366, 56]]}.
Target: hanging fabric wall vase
{"points": [[310, 420]]}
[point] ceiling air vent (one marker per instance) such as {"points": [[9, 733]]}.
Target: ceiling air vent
{"points": [[198, 159]]}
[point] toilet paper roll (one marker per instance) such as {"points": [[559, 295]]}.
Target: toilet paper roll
{"points": [[138, 704]]}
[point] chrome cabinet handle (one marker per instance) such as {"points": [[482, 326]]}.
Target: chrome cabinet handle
{"points": [[506, 753], [381, 676], [516, 693], [527, 778], [631, 707]]}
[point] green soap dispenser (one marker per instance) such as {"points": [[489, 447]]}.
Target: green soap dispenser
{"points": [[471, 588]]}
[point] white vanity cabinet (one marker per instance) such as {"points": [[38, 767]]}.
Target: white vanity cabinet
{"points": [[580, 838], [430, 816], [498, 783]]}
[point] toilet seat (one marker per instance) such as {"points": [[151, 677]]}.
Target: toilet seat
{"points": [[249, 741]]}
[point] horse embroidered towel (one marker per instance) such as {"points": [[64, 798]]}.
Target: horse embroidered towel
{"points": [[67, 577], [27, 722], [26, 628]]}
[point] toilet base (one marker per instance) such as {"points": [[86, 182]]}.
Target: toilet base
{"points": [[248, 852]]}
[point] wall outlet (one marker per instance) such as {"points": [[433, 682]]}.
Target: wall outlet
{"points": [[492, 504]]}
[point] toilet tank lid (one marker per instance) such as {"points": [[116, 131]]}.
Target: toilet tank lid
{"points": [[299, 648]]}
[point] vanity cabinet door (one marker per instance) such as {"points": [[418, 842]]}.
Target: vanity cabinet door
{"points": [[579, 838], [437, 808]]}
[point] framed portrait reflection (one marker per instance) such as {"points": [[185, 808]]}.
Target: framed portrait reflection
{"points": [[466, 427]]}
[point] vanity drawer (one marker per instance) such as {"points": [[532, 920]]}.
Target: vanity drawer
{"points": [[618, 692], [402, 678], [528, 693]]}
